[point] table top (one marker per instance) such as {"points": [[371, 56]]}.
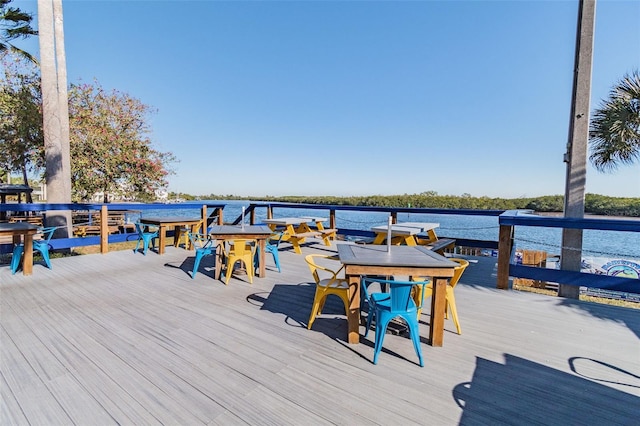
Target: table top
{"points": [[404, 256], [169, 220], [315, 218], [397, 230], [288, 220], [424, 226], [18, 227], [239, 230]]}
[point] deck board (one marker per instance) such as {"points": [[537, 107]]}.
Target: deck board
{"points": [[123, 338]]}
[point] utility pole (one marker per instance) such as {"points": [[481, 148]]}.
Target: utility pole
{"points": [[576, 155]]}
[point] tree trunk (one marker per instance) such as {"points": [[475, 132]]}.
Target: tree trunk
{"points": [[29, 198], [57, 161]]}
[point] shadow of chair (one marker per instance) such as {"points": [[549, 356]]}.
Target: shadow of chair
{"points": [[41, 245], [450, 296], [203, 245], [327, 283], [240, 250], [397, 303], [145, 237]]}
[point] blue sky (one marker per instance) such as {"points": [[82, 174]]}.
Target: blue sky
{"points": [[356, 97]]}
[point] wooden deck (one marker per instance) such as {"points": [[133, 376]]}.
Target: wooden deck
{"points": [[124, 338]]}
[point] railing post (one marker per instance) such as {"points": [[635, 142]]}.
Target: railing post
{"points": [[220, 219], [394, 217], [505, 244], [332, 218], [269, 212], [252, 215], [203, 213], [104, 229]]}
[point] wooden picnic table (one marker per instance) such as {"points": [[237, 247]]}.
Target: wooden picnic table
{"points": [[223, 233], [19, 231], [405, 232], [297, 229], [178, 223], [415, 261]]}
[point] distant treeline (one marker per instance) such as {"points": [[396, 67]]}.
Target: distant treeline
{"points": [[594, 203]]}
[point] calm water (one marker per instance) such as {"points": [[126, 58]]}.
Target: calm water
{"points": [[606, 244]]}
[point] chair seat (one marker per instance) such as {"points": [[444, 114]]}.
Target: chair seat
{"points": [[334, 284]]}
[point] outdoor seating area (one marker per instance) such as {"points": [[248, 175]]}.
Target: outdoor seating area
{"points": [[144, 342]]}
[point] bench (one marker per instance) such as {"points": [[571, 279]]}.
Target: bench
{"points": [[440, 245], [298, 238], [328, 234]]}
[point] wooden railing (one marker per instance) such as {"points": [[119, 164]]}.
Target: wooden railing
{"points": [[209, 212], [508, 268], [507, 221], [393, 211]]}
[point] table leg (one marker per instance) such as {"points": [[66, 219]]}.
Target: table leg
{"points": [[219, 259], [438, 303], [410, 241], [27, 265], [177, 234], [163, 235], [261, 259], [380, 237], [353, 315]]}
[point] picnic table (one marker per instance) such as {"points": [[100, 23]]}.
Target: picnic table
{"points": [[296, 230], [405, 233]]}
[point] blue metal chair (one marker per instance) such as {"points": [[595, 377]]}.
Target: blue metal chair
{"points": [[41, 245], [387, 306], [203, 246], [271, 246], [145, 237]]}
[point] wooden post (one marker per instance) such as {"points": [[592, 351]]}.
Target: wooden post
{"points": [[220, 219], [505, 245], [203, 213], [332, 219], [104, 230], [269, 212], [394, 217], [252, 215], [576, 155]]}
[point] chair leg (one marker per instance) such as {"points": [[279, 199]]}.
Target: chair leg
{"points": [[451, 302], [276, 259], [15, 258], [45, 255], [229, 271], [370, 315], [315, 308], [135, 250], [381, 329], [414, 332], [249, 268], [196, 264]]}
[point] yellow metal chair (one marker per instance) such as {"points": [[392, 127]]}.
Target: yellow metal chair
{"points": [[241, 250], [450, 297], [327, 282]]}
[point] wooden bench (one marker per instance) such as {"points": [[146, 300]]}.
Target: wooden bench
{"points": [[298, 238], [440, 245], [328, 234]]}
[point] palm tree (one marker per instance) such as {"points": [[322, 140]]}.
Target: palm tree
{"points": [[14, 24], [614, 136]]}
